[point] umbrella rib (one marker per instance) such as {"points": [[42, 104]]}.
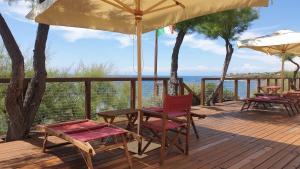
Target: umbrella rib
{"points": [[178, 3], [124, 5], [154, 6], [118, 6], [162, 8], [291, 47]]}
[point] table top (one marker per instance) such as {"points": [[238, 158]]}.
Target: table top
{"points": [[273, 87], [117, 112]]}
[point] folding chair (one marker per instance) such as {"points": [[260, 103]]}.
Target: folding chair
{"points": [[174, 106]]}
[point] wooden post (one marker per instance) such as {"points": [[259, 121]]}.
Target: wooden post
{"points": [[248, 88], [236, 89], [221, 96], [202, 100], [299, 83], [181, 87], [282, 85], [132, 94], [258, 85], [276, 82], [268, 82], [289, 84], [87, 99], [165, 88]]}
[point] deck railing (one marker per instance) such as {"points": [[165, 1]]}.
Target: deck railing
{"points": [[257, 82], [87, 87]]}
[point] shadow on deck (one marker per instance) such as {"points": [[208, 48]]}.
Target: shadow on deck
{"points": [[228, 139]]}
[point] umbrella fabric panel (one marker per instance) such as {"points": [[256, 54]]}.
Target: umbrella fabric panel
{"points": [[99, 14], [284, 41]]}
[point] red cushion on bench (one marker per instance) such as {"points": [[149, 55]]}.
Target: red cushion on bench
{"points": [[95, 134]]}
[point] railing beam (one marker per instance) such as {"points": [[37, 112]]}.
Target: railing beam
{"points": [[202, 100], [258, 85], [132, 94], [236, 89], [248, 88], [87, 99]]}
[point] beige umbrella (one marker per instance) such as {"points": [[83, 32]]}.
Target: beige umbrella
{"points": [[279, 43], [130, 17]]}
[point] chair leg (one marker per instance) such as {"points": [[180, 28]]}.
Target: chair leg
{"points": [[87, 159], [194, 127], [126, 152], [45, 142], [163, 147], [187, 135]]}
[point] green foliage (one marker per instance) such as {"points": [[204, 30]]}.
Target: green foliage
{"points": [[210, 87], [227, 24], [65, 101]]}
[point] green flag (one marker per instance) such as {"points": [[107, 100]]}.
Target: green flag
{"points": [[160, 31]]}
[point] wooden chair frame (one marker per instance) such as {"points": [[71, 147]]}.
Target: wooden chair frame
{"points": [[85, 148]]}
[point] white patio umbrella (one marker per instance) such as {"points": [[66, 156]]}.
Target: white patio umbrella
{"points": [[279, 43], [130, 17]]}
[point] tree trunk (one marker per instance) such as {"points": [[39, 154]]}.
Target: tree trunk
{"points": [[21, 111], [14, 94], [37, 85], [293, 85], [174, 64], [229, 52]]}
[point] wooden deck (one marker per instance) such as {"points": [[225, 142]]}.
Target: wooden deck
{"points": [[228, 139]]}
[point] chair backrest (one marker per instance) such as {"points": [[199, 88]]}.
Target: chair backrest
{"points": [[177, 103]]}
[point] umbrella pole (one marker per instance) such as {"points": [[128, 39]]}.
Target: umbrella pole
{"points": [[282, 74], [139, 60], [155, 64]]}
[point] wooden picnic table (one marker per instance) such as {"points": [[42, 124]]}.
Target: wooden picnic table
{"points": [[273, 89], [130, 114]]}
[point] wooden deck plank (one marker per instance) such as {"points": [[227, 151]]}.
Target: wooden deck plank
{"points": [[228, 139]]}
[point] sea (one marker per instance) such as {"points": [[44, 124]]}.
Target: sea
{"points": [[196, 80]]}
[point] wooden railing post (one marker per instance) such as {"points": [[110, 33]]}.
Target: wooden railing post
{"points": [[258, 85], [299, 83], [221, 96], [248, 88], [236, 89], [165, 88], [282, 84], [268, 82], [132, 94], [202, 100], [276, 82], [87, 99], [181, 87], [289, 84]]}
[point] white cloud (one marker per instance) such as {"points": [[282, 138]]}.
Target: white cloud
{"points": [[74, 34], [203, 44], [255, 56], [257, 32]]}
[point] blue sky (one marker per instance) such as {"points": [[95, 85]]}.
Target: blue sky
{"points": [[68, 47]]}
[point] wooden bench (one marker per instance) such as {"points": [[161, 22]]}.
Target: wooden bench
{"points": [[290, 105], [82, 134]]}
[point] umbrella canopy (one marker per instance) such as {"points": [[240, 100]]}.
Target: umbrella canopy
{"points": [[119, 15], [130, 17], [279, 43]]}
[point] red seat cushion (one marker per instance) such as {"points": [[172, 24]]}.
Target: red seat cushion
{"points": [[90, 135], [157, 125], [76, 126], [176, 114]]}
